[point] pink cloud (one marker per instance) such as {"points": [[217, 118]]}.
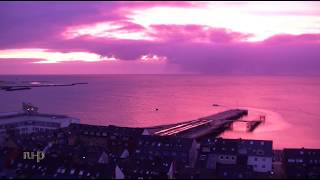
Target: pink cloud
{"points": [[191, 47], [197, 33], [288, 38]]}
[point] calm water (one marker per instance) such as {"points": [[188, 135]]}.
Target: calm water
{"points": [[291, 103]]}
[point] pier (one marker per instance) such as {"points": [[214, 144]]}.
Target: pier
{"points": [[28, 86], [213, 124], [252, 125]]}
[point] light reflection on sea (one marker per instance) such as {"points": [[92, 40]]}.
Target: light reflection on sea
{"points": [[290, 102]]}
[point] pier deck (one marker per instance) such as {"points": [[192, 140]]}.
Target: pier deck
{"points": [[216, 123]]}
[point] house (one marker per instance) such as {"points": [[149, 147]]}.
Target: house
{"points": [[217, 151], [225, 151], [301, 163], [57, 166], [234, 172], [259, 153], [117, 139], [29, 120], [163, 152], [27, 143], [182, 150], [232, 155], [135, 168]]}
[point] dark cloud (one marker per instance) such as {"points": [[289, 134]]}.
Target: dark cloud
{"points": [[193, 48], [29, 23]]}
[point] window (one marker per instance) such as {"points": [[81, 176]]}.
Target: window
{"points": [[221, 157], [301, 152], [255, 159], [299, 160], [291, 161]]}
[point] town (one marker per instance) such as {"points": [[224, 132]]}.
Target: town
{"points": [[34, 149]]}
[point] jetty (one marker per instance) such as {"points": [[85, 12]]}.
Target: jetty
{"points": [[214, 124], [27, 87], [252, 125]]}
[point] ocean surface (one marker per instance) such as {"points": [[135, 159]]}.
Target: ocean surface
{"points": [[291, 103]]}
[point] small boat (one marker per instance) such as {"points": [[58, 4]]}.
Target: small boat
{"points": [[215, 105]]}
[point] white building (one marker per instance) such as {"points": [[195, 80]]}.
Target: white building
{"points": [[29, 120], [259, 154]]}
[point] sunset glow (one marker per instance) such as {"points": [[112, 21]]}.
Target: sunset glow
{"points": [[52, 57], [194, 37], [244, 18]]}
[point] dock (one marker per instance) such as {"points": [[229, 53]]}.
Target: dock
{"points": [[252, 125], [213, 124]]}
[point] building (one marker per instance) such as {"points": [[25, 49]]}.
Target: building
{"points": [[57, 168], [217, 151], [234, 172], [182, 150], [158, 157], [259, 153], [301, 163], [117, 139], [135, 168], [29, 120], [234, 158]]}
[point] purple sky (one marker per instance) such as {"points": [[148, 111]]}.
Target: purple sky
{"points": [[159, 37]]}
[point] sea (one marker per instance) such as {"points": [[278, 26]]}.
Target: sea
{"points": [[291, 104]]}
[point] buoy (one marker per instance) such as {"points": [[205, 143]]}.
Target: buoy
{"points": [[157, 109]]}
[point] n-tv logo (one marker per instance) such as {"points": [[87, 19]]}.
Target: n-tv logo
{"points": [[38, 155]]}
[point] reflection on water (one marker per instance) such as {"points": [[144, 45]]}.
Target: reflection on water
{"points": [[274, 123], [290, 102]]}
